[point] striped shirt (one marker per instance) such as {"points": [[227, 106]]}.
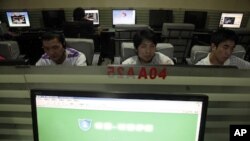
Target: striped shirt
{"points": [[73, 58]]}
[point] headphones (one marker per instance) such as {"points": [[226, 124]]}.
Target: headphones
{"points": [[62, 39], [51, 35]]}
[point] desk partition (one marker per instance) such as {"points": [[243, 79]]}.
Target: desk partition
{"points": [[228, 90]]}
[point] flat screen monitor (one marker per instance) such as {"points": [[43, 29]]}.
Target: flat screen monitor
{"points": [[97, 116], [198, 18], [124, 16], [158, 17], [74, 29], [53, 18], [231, 20], [92, 15], [18, 19]]}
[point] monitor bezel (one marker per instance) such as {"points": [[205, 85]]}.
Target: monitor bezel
{"points": [[135, 21], [9, 24], [96, 24], [119, 95], [45, 23], [222, 25], [167, 20], [188, 13]]}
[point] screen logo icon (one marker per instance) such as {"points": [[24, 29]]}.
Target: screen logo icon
{"points": [[84, 124]]}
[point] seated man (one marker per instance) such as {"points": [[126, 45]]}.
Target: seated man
{"points": [[223, 43], [56, 53], [145, 46], [79, 15]]}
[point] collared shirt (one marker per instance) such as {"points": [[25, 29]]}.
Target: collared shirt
{"points": [[73, 58], [158, 59], [231, 61]]}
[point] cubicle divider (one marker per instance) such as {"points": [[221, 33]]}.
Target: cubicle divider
{"points": [[228, 90]]}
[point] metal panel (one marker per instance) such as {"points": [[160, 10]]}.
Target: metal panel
{"points": [[228, 91]]}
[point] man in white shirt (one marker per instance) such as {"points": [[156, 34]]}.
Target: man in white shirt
{"points": [[223, 43], [56, 53], [145, 45]]}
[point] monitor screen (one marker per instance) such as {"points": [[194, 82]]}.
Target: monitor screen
{"points": [[231, 20], [76, 29], [92, 15], [123, 16], [96, 116], [53, 18], [158, 17], [198, 18], [18, 19]]}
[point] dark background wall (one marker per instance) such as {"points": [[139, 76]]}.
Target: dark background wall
{"points": [[213, 7], [235, 5]]}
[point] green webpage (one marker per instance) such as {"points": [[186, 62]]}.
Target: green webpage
{"points": [[65, 125], [116, 121]]}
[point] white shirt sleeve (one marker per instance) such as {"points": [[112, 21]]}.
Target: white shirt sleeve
{"points": [[130, 61], [40, 62], [81, 60], [163, 59]]}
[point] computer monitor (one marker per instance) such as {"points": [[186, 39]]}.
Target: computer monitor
{"points": [[123, 16], [76, 29], [231, 20], [198, 18], [17, 19], [92, 15], [97, 116], [158, 17], [53, 18]]}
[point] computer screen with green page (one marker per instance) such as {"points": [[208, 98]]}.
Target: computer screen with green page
{"points": [[101, 116]]}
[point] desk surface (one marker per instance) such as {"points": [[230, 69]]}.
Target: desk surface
{"points": [[228, 90]]}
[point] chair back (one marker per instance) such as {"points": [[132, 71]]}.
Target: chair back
{"points": [[9, 50], [180, 36], [244, 40], [125, 33], [85, 46]]}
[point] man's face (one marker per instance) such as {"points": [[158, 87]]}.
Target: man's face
{"points": [[54, 49], [146, 51], [223, 51]]}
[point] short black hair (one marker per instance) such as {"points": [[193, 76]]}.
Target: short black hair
{"points": [[78, 14], [52, 35], [144, 35], [222, 35]]}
